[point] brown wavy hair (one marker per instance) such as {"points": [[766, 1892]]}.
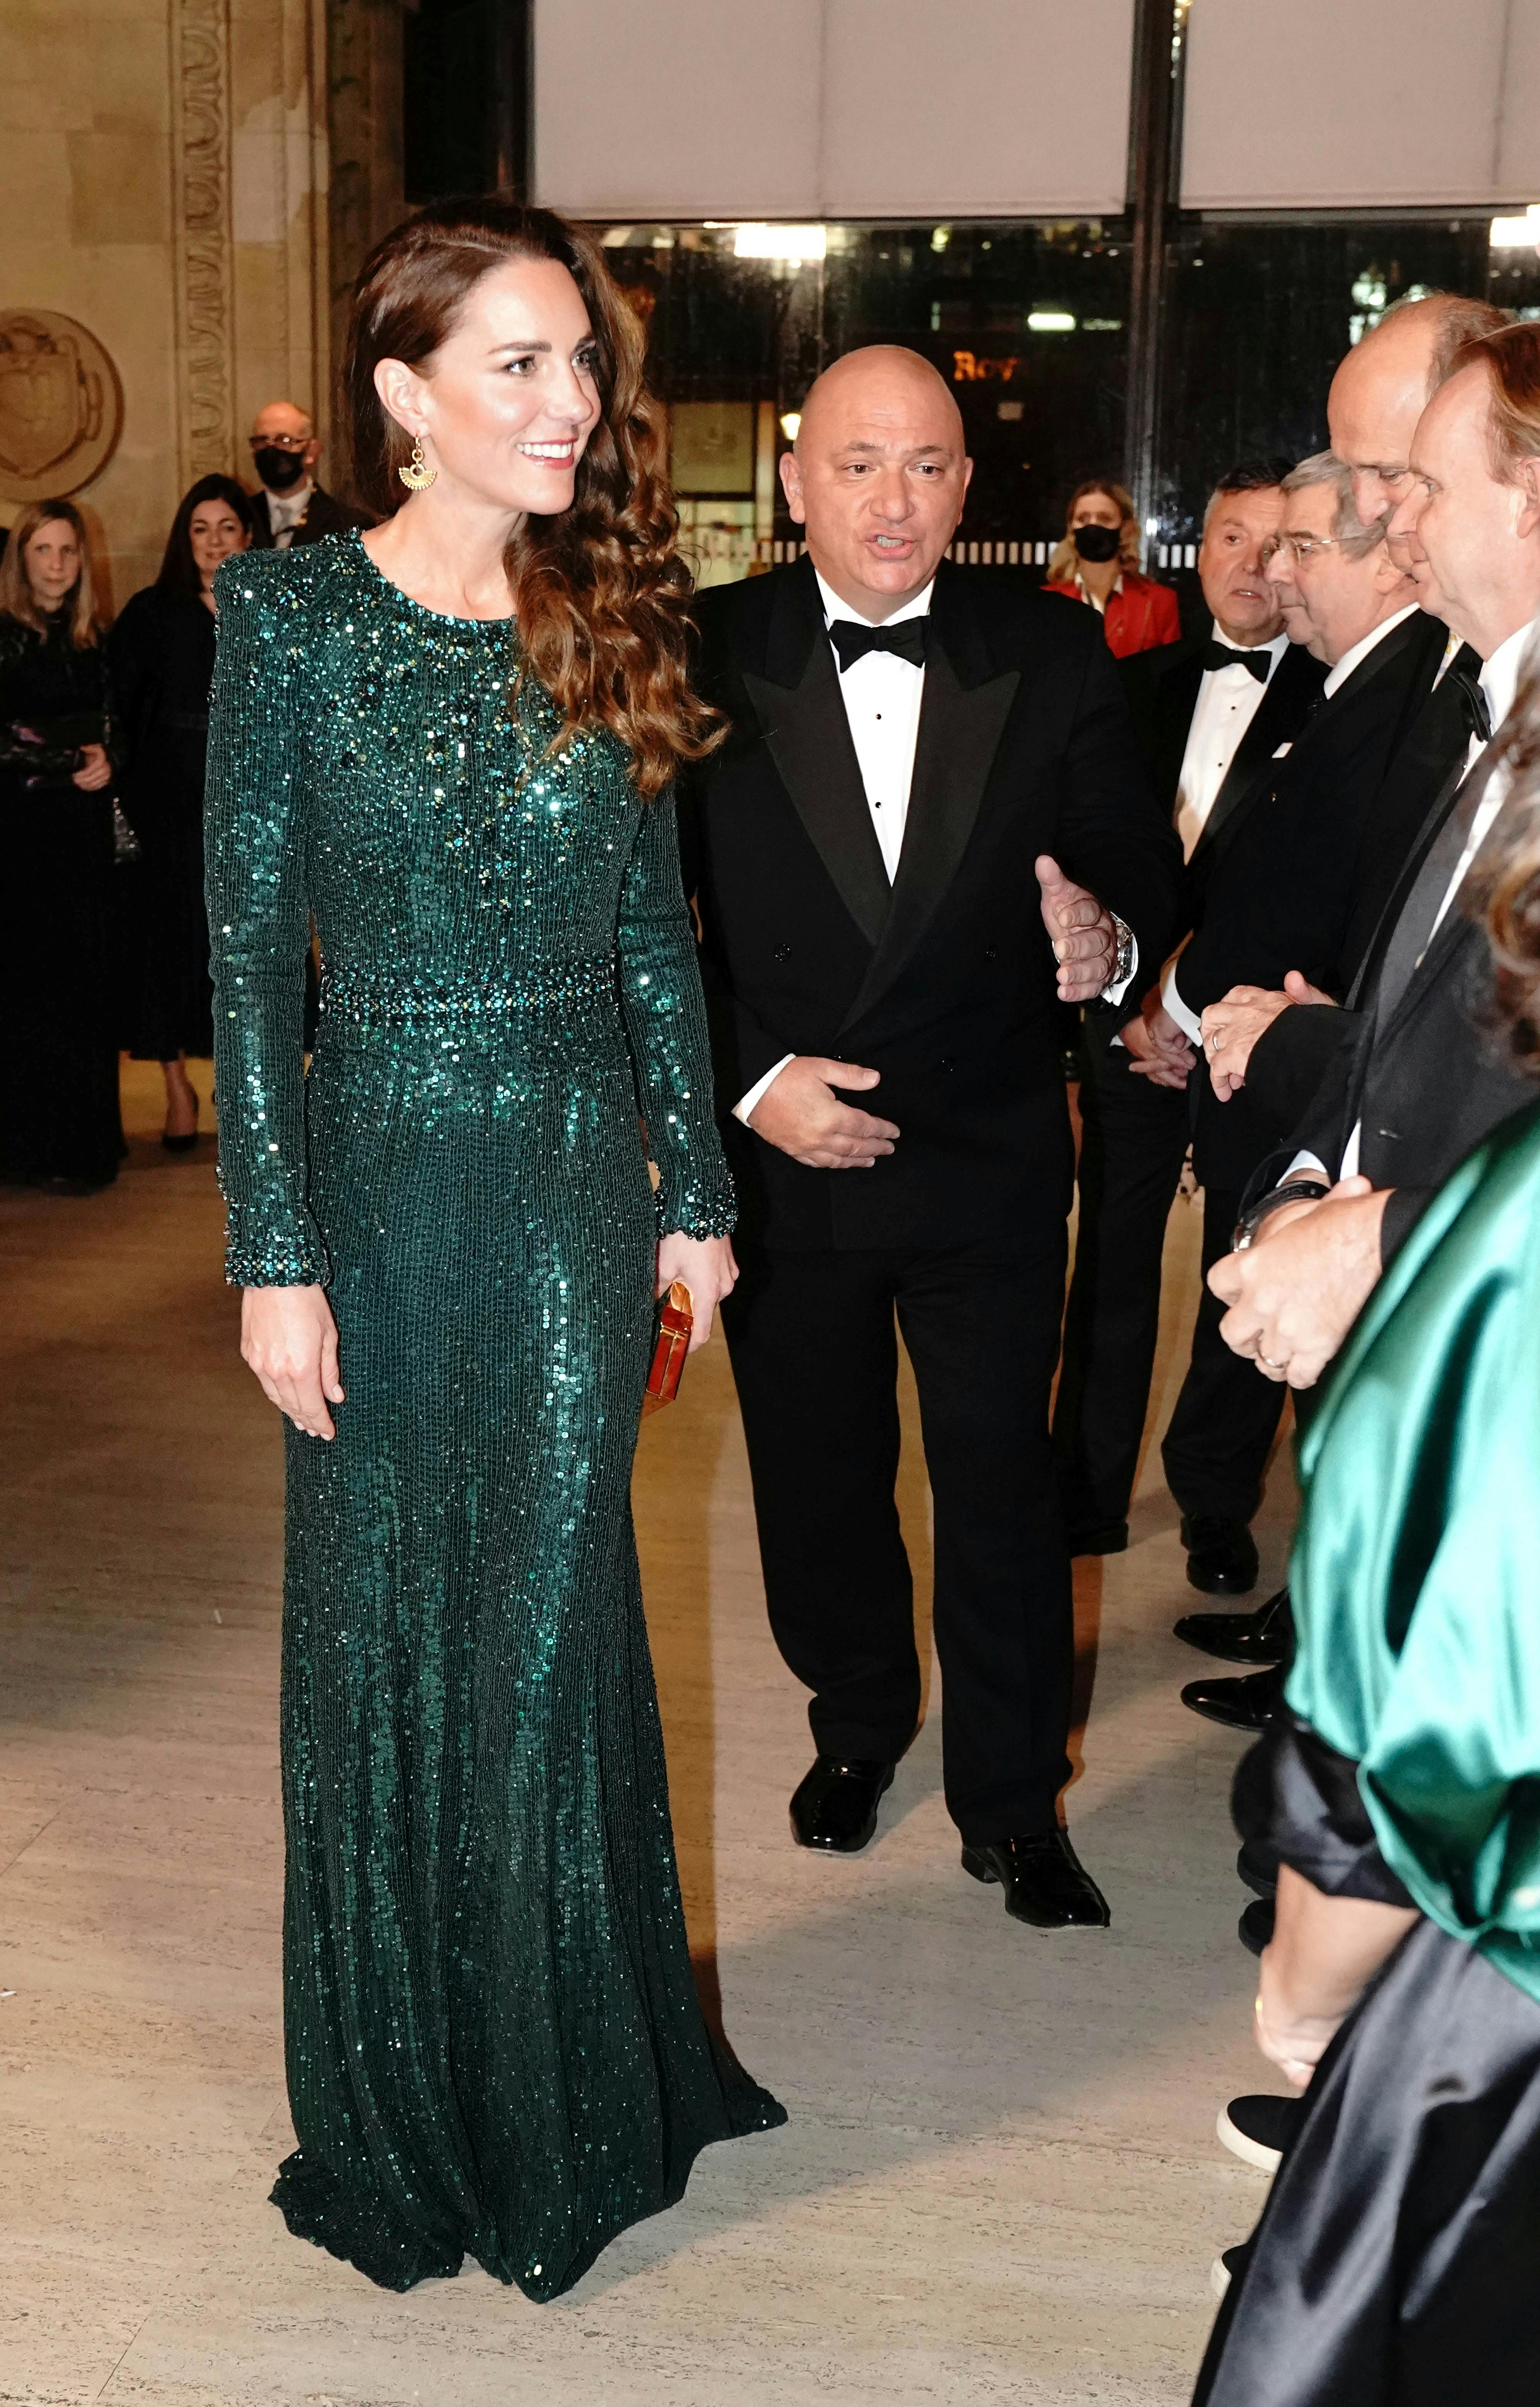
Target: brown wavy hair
{"points": [[16, 595], [600, 592]]}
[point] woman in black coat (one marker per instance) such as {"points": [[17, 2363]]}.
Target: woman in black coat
{"points": [[161, 654], [59, 1122]]}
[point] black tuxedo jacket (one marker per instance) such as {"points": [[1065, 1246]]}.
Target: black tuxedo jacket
{"points": [[943, 982], [325, 515], [1302, 1048], [1162, 691], [1427, 1079], [1284, 872]]}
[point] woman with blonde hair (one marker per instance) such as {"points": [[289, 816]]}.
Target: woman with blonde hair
{"points": [[59, 1120], [450, 741], [1098, 564]]}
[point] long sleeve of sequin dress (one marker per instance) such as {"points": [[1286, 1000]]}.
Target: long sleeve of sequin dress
{"points": [[494, 2042]]}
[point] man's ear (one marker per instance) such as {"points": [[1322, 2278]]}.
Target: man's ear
{"points": [[1527, 477], [791, 485]]}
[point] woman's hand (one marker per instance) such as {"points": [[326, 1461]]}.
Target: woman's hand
{"points": [[706, 1266], [290, 1339], [1325, 1950], [95, 770]]}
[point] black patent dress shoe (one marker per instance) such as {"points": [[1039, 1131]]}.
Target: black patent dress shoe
{"points": [[1253, 1640], [834, 1807], [1256, 1926], [1239, 1704], [1044, 1881], [1110, 1539], [1257, 1864], [1221, 1556]]}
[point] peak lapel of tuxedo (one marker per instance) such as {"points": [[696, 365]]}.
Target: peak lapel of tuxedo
{"points": [[962, 719], [1277, 718], [802, 719]]}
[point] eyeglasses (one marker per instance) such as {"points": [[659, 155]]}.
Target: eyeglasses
{"points": [[280, 442], [1298, 547]]}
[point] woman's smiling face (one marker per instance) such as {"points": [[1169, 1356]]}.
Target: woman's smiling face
{"points": [[508, 401]]}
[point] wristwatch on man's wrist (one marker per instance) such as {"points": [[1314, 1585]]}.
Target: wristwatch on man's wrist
{"points": [[1293, 1191], [1122, 964]]}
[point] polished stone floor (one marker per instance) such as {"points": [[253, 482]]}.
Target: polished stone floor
{"points": [[999, 2181]]}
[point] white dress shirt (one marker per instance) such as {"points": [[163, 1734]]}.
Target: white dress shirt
{"points": [[883, 693], [1228, 701], [1500, 684], [285, 512]]}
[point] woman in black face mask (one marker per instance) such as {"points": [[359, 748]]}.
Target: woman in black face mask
{"points": [[1099, 562]]}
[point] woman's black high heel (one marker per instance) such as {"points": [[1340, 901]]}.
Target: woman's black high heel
{"points": [[183, 1143]]}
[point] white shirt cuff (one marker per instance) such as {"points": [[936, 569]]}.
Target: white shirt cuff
{"points": [[1306, 1165], [1116, 993], [1170, 994], [745, 1104]]}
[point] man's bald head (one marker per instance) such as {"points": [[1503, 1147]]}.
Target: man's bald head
{"points": [[880, 378], [878, 476], [1382, 387], [284, 449]]}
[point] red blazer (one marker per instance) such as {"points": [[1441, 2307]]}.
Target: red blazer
{"points": [[1140, 616]]}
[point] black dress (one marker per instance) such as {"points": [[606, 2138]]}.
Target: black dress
{"points": [[162, 657], [59, 1064]]}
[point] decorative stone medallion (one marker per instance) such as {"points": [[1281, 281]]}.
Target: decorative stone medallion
{"points": [[61, 406]]}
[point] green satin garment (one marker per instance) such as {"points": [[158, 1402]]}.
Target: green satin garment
{"points": [[1416, 1575], [494, 2042]]}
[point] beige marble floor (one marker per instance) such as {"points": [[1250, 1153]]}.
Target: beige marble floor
{"points": [[999, 2181]]}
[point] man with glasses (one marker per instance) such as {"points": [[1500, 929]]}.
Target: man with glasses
{"points": [[291, 508]]}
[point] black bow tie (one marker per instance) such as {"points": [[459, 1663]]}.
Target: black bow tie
{"points": [[852, 641], [1463, 676], [1224, 655]]}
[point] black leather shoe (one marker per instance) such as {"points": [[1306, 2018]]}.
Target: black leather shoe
{"points": [[1258, 2129], [1239, 1704], [1257, 1864], [834, 1807], [1254, 1640], [1221, 1556], [1110, 1539], [1045, 1881], [1256, 1926]]}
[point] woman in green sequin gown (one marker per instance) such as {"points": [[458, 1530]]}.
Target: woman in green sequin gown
{"points": [[494, 2042]]}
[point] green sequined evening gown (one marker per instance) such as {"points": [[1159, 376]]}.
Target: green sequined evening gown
{"points": [[493, 2038]]}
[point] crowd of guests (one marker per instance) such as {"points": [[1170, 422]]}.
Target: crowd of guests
{"points": [[1315, 962], [103, 736]]}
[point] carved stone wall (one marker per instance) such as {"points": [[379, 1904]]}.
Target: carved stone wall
{"points": [[205, 317], [164, 188]]}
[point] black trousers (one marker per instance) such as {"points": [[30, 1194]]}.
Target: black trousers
{"points": [[1134, 1138], [1224, 1420], [816, 1356]]}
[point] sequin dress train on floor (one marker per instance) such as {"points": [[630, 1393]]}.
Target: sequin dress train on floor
{"points": [[494, 2042]]}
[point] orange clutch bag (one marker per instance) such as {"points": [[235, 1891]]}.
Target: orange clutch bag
{"points": [[675, 1322]]}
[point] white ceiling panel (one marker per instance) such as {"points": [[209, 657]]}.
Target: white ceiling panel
{"points": [[977, 108], [678, 108], [1362, 103], [808, 108]]}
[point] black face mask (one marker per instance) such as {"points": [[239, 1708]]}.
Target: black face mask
{"points": [[1097, 543], [280, 471]]}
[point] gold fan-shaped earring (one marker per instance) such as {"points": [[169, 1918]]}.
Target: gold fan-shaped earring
{"points": [[416, 475]]}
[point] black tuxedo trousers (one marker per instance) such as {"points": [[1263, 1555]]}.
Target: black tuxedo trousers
{"points": [[814, 1354], [1133, 1136]]}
